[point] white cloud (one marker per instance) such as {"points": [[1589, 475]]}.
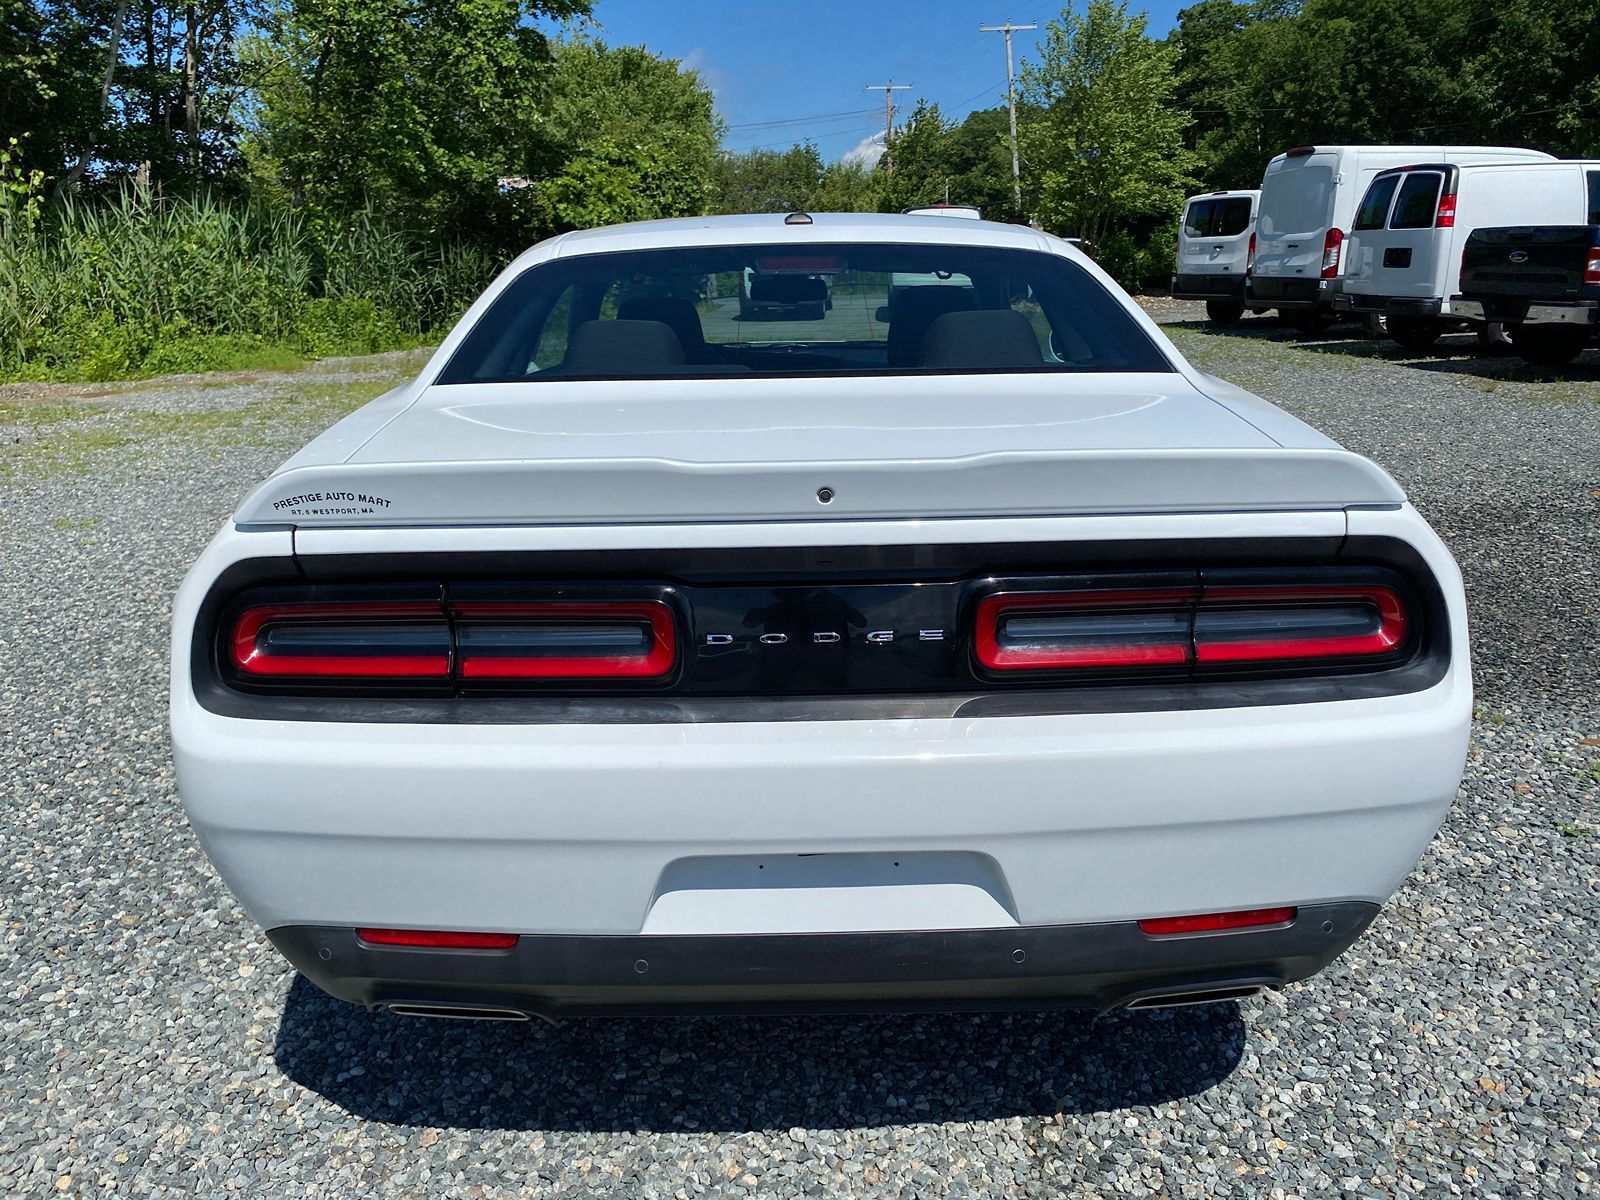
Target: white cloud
{"points": [[866, 152]]}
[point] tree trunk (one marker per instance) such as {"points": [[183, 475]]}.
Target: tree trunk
{"points": [[113, 53]]}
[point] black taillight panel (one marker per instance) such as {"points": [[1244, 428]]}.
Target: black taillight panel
{"points": [[996, 632]]}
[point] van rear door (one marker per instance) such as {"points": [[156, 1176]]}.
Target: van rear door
{"points": [[1215, 237], [1401, 233], [1295, 213]]}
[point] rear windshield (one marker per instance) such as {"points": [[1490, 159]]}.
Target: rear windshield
{"points": [[725, 311], [1217, 218], [1295, 200], [1418, 203]]}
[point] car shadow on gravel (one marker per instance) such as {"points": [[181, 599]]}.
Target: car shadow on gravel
{"points": [[730, 1074]]}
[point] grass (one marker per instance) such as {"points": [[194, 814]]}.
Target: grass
{"points": [[139, 285]]}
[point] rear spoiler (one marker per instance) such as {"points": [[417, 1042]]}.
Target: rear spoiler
{"points": [[664, 491]]}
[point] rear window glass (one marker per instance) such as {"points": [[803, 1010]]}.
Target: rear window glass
{"points": [[1594, 198], [737, 311], [1217, 218], [1375, 204], [1418, 202], [1296, 200]]}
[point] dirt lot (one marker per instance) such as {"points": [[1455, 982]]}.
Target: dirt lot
{"points": [[151, 1042]]}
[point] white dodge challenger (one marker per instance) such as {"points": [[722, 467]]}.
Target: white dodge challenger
{"points": [[968, 650]]}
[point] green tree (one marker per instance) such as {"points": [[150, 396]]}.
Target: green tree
{"points": [[915, 168], [760, 181], [1103, 142], [416, 106]]}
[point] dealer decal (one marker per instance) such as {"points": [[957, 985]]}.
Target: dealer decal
{"points": [[330, 504]]}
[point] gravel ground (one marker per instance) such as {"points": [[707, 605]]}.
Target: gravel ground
{"points": [[151, 1043]]}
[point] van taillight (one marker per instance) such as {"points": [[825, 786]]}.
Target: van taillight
{"points": [[599, 639], [1332, 244], [1591, 268], [1203, 627], [1250, 256], [395, 640], [1445, 217]]}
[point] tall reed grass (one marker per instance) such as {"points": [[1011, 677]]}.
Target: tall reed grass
{"points": [[140, 284]]}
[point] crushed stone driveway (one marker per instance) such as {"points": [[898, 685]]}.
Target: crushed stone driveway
{"points": [[151, 1042]]}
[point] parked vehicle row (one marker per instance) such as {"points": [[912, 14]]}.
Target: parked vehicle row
{"points": [[1384, 232]]}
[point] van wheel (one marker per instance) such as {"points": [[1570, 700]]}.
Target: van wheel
{"points": [[1547, 346], [1414, 333], [1376, 325], [1223, 312]]}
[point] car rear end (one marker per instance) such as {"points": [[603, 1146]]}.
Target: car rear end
{"points": [[1098, 683], [724, 768], [1542, 282]]}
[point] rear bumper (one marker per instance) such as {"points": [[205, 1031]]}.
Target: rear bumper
{"points": [[1390, 306], [1270, 292], [1208, 287], [1520, 311], [1097, 967]]}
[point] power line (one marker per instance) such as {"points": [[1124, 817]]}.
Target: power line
{"points": [[853, 112]]}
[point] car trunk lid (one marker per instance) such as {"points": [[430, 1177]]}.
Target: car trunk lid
{"points": [[718, 450]]}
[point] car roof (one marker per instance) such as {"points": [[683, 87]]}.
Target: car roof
{"points": [[765, 229]]}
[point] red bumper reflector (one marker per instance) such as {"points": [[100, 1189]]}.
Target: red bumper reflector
{"points": [[438, 939], [1252, 918]]}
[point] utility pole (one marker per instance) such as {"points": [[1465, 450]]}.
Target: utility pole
{"points": [[1011, 102], [888, 90]]}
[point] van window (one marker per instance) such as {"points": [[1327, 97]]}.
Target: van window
{"points": [[1594, 198], [1375, 204], [1197, 218], [1217, 218], [1296, 200], [1418, 202]]}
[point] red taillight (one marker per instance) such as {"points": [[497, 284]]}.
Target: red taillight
{"points": [[560, 639], [1445, 217], [1261, 624], [1087, 630], [1299, 152], [398, 640], [1179, 627], [1250, 256], [1332, 245], [1591, 268], [1253, 918], [438, 939]]}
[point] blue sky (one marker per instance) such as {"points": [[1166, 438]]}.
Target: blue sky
{"points": [[807, 64]]}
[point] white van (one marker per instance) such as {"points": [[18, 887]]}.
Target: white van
{"points": [[1402, 259], [1213, 251], [1308, 200]]}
